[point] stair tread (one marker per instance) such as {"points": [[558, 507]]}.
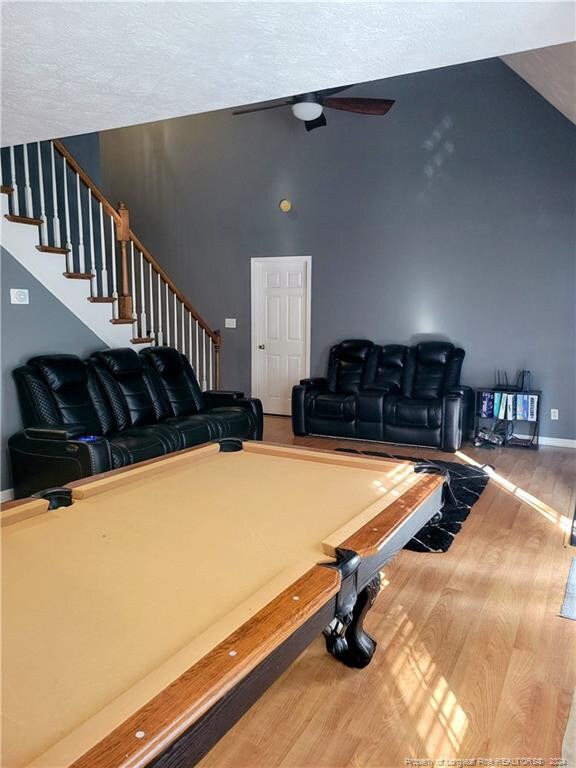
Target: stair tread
{"points": [[78, 275], [22, 219], [142, 340], [101, 299], [52, 249], [6, 189], [121, 321]]}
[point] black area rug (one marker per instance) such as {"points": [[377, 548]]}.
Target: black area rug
{"points": [[464, 486]]}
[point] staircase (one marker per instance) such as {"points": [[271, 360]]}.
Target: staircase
{"points": [[65, 232]]}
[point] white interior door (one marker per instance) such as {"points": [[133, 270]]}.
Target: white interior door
{"points": [[280, 329]]}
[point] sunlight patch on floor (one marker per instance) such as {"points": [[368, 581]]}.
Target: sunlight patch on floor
{"points": [[548, 512], [426, 693]]}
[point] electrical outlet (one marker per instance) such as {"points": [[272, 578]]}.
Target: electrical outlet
{"points": [[554, 414], [19, 296]]}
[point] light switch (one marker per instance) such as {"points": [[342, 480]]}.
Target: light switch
{"points": [[230, 322], [19, 296]]}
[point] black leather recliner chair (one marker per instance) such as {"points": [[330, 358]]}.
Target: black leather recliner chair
{"points": [[116, 409], [397, 394], [329, 406]]}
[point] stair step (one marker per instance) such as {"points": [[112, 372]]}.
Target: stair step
{"points": [[52, 249], [6, 190], [101, 299], [142, 340], [78, 275], [23, 219], [121, 321]]}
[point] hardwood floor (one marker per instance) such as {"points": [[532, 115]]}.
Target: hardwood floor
{"points": [[473, 660]]}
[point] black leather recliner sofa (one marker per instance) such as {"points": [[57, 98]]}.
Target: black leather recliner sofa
{"points": [[391, 393], [115, 409]]}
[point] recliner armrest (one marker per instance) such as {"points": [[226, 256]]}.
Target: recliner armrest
{"points": [[39, 461], [315, 383], [225, 394], [223, 399], [460, 389], [378, 390], [61, 432], [467, 395]]}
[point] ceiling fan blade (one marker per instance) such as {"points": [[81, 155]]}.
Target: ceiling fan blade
{"points": [[331, 91], [248, 110], [363, 106], [318, 123]]}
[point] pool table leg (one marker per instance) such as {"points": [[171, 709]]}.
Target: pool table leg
{"points": [[352, 645]]}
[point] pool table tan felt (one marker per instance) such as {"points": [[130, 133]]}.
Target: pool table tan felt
{"points": [[127, 614]]}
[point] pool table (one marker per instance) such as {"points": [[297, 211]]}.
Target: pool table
{"points": [[146, 609]]}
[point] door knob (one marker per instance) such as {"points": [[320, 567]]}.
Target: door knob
{"points": [[261, 346]]}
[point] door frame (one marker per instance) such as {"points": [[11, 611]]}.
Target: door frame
{"points": [[255, 264]]}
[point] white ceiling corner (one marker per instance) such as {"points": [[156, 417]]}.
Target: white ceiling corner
{"points": [[77, 67], [552, 72]]}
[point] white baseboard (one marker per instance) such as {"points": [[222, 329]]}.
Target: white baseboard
{"points": [[556, 442], [7, 495]]}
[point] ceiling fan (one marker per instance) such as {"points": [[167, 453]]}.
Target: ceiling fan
{"points": [[309, 107]]}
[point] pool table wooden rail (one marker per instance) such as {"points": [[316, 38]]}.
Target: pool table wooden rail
{"points": [[369, 540], [175, 709]]}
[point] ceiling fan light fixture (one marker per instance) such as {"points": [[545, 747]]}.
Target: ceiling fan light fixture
{"points": [[307, 110]]}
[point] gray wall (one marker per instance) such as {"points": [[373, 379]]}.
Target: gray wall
{"points": [[451, 217], [44, 326], [86, 151]]}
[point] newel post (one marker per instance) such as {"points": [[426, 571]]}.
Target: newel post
{"points": [[123, 237], [217, 349]]}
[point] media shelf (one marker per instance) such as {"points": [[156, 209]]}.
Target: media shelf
{"points": [[530, 406]]}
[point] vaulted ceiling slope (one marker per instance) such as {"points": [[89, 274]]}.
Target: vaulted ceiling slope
{"points": [[552, 72], [76, 67]]}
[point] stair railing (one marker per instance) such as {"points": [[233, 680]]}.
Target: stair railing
{"points": [[46, 185]]}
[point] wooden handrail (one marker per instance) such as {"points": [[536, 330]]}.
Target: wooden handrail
{"points": [[214, 335], [124, 235], [98, 194]]}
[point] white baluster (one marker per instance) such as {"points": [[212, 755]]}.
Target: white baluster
{"points": [[81, 255], [27, 187], [143, 322], [103, 267], [175, 321], [150, 286], [43, 219], [160, 336], [203, 360], [14, 185], [70, 255], [210, 346], [197, 366], [55, 219], [167, 317], [114, 267], [190, 337], [134, 302], [94, 281], [182, 330]]}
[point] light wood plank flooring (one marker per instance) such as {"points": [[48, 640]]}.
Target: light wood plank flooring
{"points": [[472, 660]]}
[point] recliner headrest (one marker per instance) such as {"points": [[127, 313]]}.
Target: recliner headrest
{"points": [[434, 352], [60, 370], [354, 350], [392, 356], [166, 360], [120, 361]]}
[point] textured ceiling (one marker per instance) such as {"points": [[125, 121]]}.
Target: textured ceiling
{"points": [[552, 72], [77, 67]]}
